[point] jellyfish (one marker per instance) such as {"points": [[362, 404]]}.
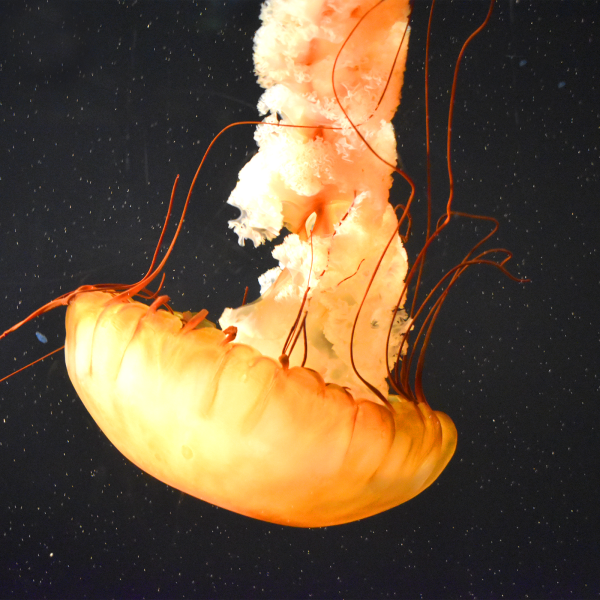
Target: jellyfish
{"points": [[296, 408]]}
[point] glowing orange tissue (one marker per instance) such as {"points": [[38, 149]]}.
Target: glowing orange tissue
{"points": [[284, 412]]}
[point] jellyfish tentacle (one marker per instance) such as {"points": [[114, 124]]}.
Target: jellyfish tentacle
{"points": [[194, 321], [37, 360], [399, 376]]}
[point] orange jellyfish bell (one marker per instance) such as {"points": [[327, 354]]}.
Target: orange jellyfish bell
{"points": [[222, 422], [284, 414]]}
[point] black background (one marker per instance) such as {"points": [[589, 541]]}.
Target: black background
{"points": [[102, 104]]}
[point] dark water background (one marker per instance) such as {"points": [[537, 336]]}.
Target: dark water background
{"points": [[102, 104]]}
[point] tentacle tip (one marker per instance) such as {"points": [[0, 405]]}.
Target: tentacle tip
{"points": [[230, 334]]}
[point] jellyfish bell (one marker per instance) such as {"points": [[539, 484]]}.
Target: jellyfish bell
{"points": [[284, 413]]}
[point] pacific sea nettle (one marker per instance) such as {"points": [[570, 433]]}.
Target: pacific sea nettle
{"points": [[284, 414]]}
